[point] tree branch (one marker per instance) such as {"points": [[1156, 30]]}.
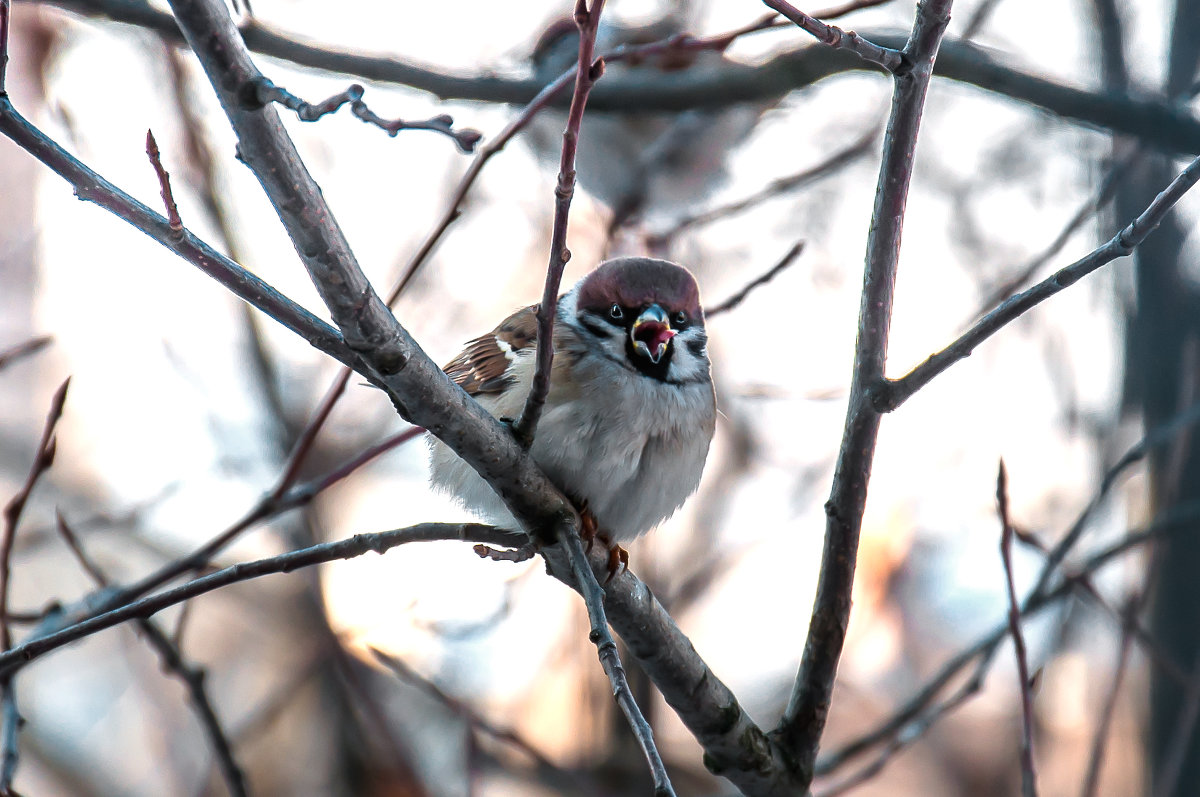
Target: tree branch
{"points": [[1028, 776], [890, 394], [90, 186], [1162, 124], [804, 719]]}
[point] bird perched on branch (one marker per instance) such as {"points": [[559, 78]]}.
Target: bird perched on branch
{"points": [[631, 408]]}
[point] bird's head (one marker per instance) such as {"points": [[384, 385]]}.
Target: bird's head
{"points": [[645, 314]]}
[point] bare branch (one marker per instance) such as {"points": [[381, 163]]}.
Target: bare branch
{"points": [[835, 37], [349, 548], [587, 72], [472, 717], [606, 649], [25, 349], [43, 458], [92, 187], [266, 91], [1028, 777], [172, 661], [11, 720], [762, 279], [777, 187], [890, 394], [905, 723], [1129, 614], [803, 720]]}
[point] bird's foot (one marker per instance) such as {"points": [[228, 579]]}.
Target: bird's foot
{"points": [[618, 559], [589, 532]]}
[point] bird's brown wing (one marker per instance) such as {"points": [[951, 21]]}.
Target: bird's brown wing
{"points": [[483, 365]]}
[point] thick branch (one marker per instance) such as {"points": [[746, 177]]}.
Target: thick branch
{"points": [[804, 719]]}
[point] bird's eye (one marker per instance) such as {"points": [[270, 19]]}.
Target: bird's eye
{"points": [[616, 313], [680, 318]]}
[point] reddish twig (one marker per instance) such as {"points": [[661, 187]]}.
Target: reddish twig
{"points": [[43, 458], [267, 92], [803, 721], [891, 60], [1028, 777], [11, 720], [762, 279], [891, 394], [587, 72], [21, 350], [174, 223]]}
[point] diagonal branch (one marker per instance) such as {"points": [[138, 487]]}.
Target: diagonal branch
{"points": [[91, 187], [804, 719], [891, 394]]}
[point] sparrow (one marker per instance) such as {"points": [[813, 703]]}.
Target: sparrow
{"points": [[631, 409]]}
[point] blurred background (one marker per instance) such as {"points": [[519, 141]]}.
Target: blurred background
{"points": [[429, 671]]}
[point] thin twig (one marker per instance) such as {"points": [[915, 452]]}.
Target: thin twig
{"points": [[25, 349], [467, 713], [174, 223], [172, 661], [762, 279], [606, 649], [835, 37], [803, 722], [91, 187], [777, 187], [587, 72], [1028, 776], [1016, 281], [1091, 781], [266, 91], [892, 393], [905, 718], [357, 545], [43, 458]]}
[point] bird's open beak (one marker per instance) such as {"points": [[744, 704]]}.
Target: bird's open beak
{"points": [[651, 333]]}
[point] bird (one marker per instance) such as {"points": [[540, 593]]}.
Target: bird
{"points": [[631, 410], [648, 166]]}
